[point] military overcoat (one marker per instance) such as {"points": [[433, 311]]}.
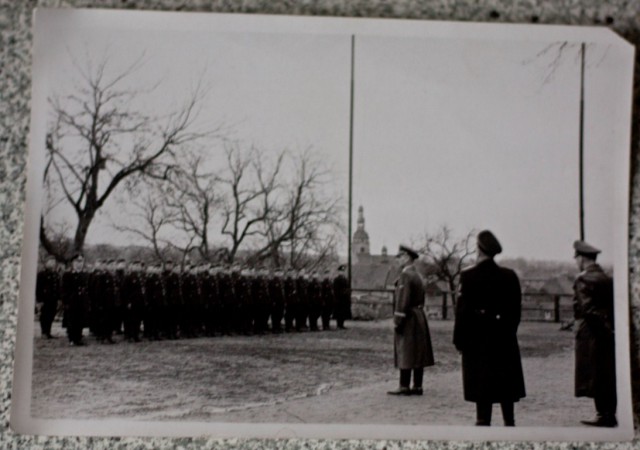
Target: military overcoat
{"points": [[412, 341], [595, 374], [485, 332]]}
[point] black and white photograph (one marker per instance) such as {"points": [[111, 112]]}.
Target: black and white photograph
{"points": [[252, 226]]}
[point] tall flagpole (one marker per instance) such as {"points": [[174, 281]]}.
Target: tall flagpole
{"points": [[353, 43], [581, 148]]}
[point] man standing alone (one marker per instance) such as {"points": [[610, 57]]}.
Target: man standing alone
{"points": [[595, 375], [412, 341], [487, 319]]}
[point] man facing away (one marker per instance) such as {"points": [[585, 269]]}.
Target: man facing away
{"points": [[485, 329], [412, 341], [595, 371]]}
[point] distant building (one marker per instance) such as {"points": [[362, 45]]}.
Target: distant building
{"points": [[369, 271]]}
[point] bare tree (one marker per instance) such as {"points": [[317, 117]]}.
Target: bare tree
{"points": [[151, 217], [307, 220], [248, 185], [98, 140], [192, 196], [448, 256]]}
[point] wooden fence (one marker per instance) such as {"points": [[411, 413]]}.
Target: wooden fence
{"points": [[370, 304]]}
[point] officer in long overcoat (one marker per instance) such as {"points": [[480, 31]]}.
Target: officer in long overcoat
{"points": [[412, 342], [595, 371], [48, 293], [485, 332], [342, 298]]}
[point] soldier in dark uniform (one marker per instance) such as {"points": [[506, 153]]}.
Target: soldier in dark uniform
{"points": [[94, 299], [75, 298], [260, 296], [119, 275], [133, 297], [595, 372], [302, 296], [412, 342], [291, 300], [154, 302], [276, 298], [342, 292], [485, 332], [328, 300], [225, 291], [101, 293], [314, 294], [189, 283], [210, 299], [172, 300], [244, 291], [48, 294]]}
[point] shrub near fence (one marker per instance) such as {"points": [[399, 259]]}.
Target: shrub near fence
{"points": [[372, 304]]}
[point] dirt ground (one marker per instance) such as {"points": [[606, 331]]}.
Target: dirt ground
{"points": [[311, 377]]}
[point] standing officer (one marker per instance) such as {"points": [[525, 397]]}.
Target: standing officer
{"points": [[412, 348], [75, 291], [119, 301], [48, 293], [154, 299], [327, 300], [314, 294], [342, 293], [595, 375], [485, 332], [291, 300], [277, 300], [133, 297], [101, 293], [302, 297], [172, 300], [225, 290]]}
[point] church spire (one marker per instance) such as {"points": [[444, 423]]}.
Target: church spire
{"points": [[360, 242]]}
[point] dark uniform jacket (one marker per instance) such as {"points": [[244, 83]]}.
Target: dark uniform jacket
{"points": [[595, 347], [412, 341], [342, 292], [75, 298], [485, 331], [48, 287]]}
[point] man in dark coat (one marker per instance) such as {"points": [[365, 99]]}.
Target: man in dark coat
{"points": [[101, 297], [276, 298], [172, 300], [75, 298], [291, 300], [48, 293], [328, 300], [342, 293], [485, 332], [132, 293], [154, 299], [595, 375], [412, 342]]}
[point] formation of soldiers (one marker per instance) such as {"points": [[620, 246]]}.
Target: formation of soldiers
{"points": [[168, 302]]}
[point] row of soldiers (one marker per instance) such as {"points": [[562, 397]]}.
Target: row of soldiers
{"points": [[168, 302]]}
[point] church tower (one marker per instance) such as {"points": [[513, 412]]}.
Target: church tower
{"points": [[360, 242]]}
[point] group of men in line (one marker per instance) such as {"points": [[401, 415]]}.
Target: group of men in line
{"points": [[488, 313], [167, 302]]}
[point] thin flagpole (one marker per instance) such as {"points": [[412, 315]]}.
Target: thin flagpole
{"points": [[581, 147], [353, 43]]}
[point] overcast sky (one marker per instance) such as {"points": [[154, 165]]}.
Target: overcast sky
{"points": [[471, 134]]}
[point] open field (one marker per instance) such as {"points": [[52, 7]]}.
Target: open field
{"points": [[312, 377]]}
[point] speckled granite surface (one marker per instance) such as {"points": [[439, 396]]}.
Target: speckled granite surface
{"points": [[15, 44]]}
